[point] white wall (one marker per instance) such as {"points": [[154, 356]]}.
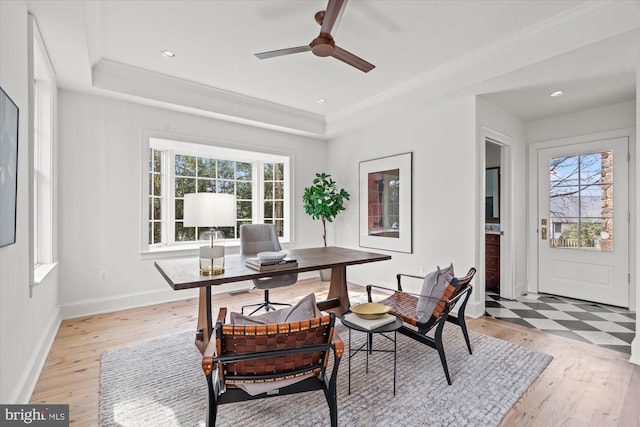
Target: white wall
{"points": [[100, 173], [27, 324], [611, 117], [443, 143]]}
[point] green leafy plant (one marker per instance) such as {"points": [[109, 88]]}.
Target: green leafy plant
{"points": [[324, 200]]}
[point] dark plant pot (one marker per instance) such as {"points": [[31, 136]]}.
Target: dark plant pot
{"points": [[325, 275]]}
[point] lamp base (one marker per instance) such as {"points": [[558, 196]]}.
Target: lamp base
{"points": [[211, 270]]}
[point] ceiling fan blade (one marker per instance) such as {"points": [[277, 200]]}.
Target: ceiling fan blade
{"points": [[351, 59], [331, 14], [281, 52]]}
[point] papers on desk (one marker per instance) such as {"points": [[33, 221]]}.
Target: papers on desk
{"points": [[265, 265], [369, 324]]}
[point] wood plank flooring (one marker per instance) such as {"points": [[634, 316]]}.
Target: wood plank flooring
{"points": [[584, 385]]}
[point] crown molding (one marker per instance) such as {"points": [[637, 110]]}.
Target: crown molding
{"points": [[116, 77]]}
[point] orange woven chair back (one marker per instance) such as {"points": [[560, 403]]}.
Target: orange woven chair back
{"points": [[241, 339]]}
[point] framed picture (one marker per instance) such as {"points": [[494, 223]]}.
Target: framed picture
{"points": [[385, 203], [8, 168]]}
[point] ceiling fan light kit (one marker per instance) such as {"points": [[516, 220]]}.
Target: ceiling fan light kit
{"points": [[324, 45]]}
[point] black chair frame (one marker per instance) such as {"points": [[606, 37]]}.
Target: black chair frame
{"points": [[418, 330], [218, 394]]}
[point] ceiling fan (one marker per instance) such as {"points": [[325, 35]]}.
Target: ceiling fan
{"points": [[324, 45]]}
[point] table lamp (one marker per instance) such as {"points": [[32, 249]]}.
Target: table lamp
{"points": [[210, 210]]}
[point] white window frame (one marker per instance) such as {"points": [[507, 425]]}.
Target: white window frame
{"points": [[42, 140], [211, 149]]}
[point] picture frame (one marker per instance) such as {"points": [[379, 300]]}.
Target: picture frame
{"points": [[9, 119], [386, 219]]}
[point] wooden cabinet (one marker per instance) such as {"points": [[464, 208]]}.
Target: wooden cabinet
{"points": [[492, 261]]}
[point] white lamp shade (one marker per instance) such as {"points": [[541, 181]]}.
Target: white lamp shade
{"points": [[209, 210]]}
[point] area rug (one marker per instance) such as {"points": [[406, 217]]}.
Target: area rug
{"points": [[160, 383]]}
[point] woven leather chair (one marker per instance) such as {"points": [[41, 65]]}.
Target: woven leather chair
{"points": [[240, 355], [256, 238], [404, 305]]}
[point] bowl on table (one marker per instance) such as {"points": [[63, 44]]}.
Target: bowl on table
{"points": [[370, 310]]}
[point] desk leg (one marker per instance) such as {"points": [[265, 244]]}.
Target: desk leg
{"points": [[205, 324], [338, 289]]}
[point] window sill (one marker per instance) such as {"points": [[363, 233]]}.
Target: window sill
{"points": [[42, 271]]}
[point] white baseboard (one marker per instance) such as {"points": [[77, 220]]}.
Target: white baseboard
{"points": [[474, 310], [27, 382], [635, 350], [141, 299]]}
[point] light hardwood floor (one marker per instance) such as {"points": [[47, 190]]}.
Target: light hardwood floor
{"points": [[584, 385]]}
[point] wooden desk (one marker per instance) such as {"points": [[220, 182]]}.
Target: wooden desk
{"points": [[185, 274]]}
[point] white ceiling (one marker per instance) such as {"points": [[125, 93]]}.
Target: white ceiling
{"points": [[512, 52]]}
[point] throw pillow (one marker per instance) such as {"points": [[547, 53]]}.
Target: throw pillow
{"points": [[305, 309], [434, 285]]}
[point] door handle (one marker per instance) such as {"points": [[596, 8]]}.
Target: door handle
{"points": [[543, 233]]}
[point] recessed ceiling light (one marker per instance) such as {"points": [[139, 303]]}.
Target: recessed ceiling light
{"points": [[557, 93], [167, 53], [321, 101]]}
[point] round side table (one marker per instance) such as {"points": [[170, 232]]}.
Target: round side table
{"points": [[367, 347]]}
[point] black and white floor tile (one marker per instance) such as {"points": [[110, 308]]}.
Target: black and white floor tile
{"points": [[602, 325]]}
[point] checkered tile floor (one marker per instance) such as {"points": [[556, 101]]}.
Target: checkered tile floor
{"points": [[603, 325]]}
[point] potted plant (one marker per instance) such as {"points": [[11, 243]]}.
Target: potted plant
{"points": [[324, 201]]}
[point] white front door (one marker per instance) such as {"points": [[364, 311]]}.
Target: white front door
{"points": [[583, 221]]}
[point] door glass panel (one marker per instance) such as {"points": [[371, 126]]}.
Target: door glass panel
{"points": [[581, 201]]}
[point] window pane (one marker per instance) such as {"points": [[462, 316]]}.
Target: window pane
{"points": [[279, 209], [278, 171], [278, 190], [244, 210], [226, 169], [590, 233], [156, 160], [185, 186], [563, 201], [268, 210], [229, 232], [226, 187], [150, 209], [563, 171], [156, 185], [157, 211], [565, 233], [279, 227], [590, 168], [185, 165], [243, 190], [268, 171], [184, 234], [157, 232], [206, 185], [594, 200], [179, 208], [243, 171], [206, 167], [268, 190]]}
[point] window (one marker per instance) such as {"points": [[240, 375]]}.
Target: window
{"points": [[43, 93], [260, 182], [581, 201]]}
